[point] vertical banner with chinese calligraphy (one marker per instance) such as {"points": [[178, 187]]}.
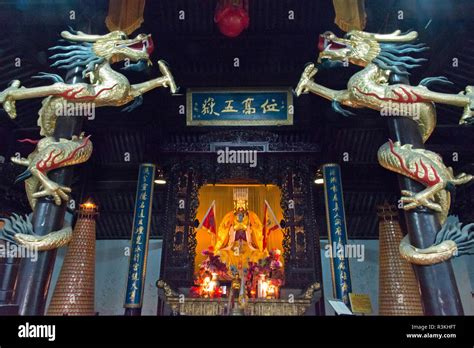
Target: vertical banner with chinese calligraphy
{"points": [[337, 233], [139, 240]]}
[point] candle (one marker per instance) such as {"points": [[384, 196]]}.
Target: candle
{"points": [[264, 289], [261, 288], [271, 291]]}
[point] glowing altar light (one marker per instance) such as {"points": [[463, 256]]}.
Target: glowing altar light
{"points": [[160, 177], [271, 292], [213, 282], [319, 180], [210, 286], [253, 293], [262, 286], [89, 205]]}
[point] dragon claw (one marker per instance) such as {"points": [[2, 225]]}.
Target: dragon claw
{"points": [[308, 73], [411, 200], [310, 70], [20, 161], [462, 178], [58, 192], [169, 77], [7, 101]]}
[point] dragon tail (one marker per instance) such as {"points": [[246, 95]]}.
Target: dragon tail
{"points": [[19, 230], [451, 240]]}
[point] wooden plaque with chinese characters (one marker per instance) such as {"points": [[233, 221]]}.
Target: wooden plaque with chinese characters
{"points": [[239, 107]]}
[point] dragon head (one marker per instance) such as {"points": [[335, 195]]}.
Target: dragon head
{"points": [[89, 51], [115, 46], [362, 48], [334, 48]]}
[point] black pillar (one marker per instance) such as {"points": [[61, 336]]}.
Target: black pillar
{"points": [[8, 276], [35, 277], [440, 295]]}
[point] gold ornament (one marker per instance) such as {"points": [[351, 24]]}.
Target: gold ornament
{"points": [[381, 55], [427, 168], [19, 230], [428, 256], [253, 307], [48, 155], [52, 240], [106, 87]]}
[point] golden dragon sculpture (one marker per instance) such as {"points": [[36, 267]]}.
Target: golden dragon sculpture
{"points": [[19, 230], [103, 86], [106, 87], [427, 168], [49, 155], [381, 55]]}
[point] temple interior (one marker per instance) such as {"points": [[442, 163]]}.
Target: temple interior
{"points": [[236, 157]]}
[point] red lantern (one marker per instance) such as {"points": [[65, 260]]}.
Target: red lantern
{"points": [[232, 17]]}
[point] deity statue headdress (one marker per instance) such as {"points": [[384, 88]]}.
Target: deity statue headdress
{"points": [[241, 198]]}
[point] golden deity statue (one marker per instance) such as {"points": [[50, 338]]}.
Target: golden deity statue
{"points": [[240, 234]]}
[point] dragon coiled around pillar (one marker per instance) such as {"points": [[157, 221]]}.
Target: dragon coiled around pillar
{"points": [[19, 230], [103, 86], [380, 56], [49, 155], [427, 168]]}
